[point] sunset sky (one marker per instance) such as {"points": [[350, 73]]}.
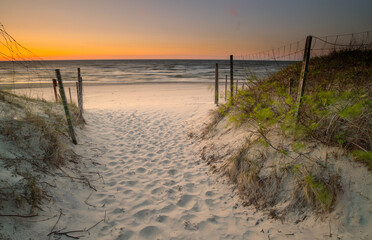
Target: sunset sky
{"points": [[206, 29]]}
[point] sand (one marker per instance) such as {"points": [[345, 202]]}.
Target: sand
{"points": [[146, 178]]}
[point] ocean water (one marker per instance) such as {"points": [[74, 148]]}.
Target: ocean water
{"points": [[135, 71]]}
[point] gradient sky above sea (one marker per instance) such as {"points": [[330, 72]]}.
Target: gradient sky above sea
{"points": [[174, 29]]}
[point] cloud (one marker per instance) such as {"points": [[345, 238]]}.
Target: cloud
{"points": [[142, 11], [236, 17], [233, 12]]}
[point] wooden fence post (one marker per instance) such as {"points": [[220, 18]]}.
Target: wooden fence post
{"points": [[216, 86], [55, 89], [80, 93], [226, 88], [302, 83], [65, 106], [77, 92], [69, 90], [231, 77]]}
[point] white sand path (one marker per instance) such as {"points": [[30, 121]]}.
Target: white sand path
{"points": [[155, 186]]}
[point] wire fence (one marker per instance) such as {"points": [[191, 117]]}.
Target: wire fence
{"points": [[24, 73], [320, 46], [261, 64]]}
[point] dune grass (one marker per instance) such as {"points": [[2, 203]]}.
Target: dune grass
{"points": [[38, 131], [336, 112]]}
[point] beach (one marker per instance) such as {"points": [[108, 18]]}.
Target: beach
{"points": [[145, 178], [185, 120]]}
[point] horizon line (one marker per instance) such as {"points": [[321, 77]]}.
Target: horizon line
{"points": [[147, 59]]}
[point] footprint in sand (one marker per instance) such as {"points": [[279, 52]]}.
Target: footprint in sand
{"points": [[162, 218], [141, 170], [131, 183], [185, 200], [125, 235], [112, 183], [150, 232], [157, 190], [210, 194], [172, 172], [140, 215], [209, 202], [168, 208], [118, 210], [126, 192]]}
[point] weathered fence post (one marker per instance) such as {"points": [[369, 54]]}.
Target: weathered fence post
{"points": [[302, 83], [69, 90], [55, 89], [65, 106], [231, 77], [226, 88], [80, 93], [77, 92], [216, 86]]}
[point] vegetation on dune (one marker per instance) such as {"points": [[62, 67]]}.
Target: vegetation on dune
{"points": [[38, 129], [336, 107], [335, 111]]}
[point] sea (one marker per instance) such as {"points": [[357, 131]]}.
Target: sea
{"points": [[135, 71]]}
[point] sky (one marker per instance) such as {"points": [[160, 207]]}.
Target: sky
{"points": [[174, 29]]}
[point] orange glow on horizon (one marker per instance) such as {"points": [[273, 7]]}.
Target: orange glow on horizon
{"points": [[91, 52], [87, 54], [86, 47]]}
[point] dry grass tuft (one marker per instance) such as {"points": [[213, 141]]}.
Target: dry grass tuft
{"points": [[39, 130], [216, 115]]}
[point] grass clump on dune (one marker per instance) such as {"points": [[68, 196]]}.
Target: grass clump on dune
{"points": [[336, 107], [335, 112], [34, 139]]}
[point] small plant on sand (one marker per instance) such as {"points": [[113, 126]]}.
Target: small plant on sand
{"points": [[216, 116], [317, 193], [50, 142], [32, 191], [363, 156]]}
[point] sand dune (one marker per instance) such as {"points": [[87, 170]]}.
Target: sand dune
{"points": [[146, 178]]}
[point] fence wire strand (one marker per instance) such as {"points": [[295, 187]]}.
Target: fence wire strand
{"points": [[24, 73], [258, 65]]}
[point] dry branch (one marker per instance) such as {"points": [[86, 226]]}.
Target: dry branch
{"points": [[17, 215]]}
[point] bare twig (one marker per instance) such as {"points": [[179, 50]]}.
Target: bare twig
{"points": [[51, 185], [67, 233], [42, 220], [60, 214], [86, 200], [330, 123], [95, 224], [17, 215], [359, 146], [87, 181]]}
